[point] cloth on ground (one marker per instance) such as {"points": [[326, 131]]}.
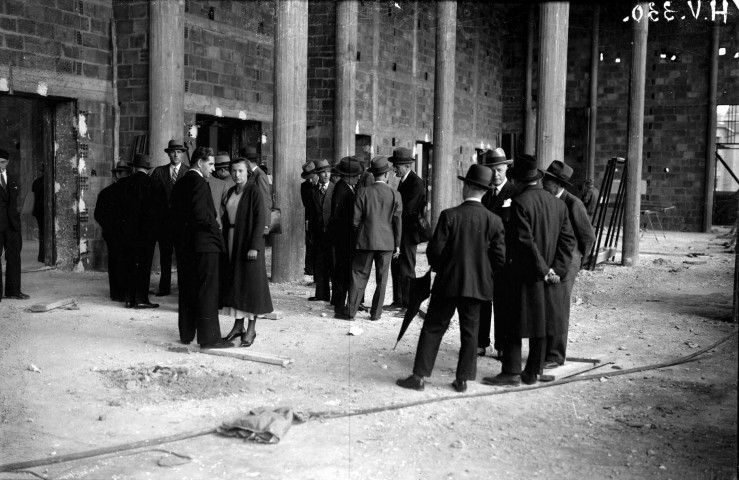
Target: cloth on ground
{"points": [[262, 425]]}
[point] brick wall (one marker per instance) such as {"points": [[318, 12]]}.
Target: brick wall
{"points": [[321, 81]]}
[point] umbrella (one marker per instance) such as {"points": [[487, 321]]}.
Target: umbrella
{"points": [[419, 290]]}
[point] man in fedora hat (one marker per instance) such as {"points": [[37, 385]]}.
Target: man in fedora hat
{"points": [[168, 175], [341, 228], [199, 245], [143, 217], [498, 201], [377, 218], [590, 197], [260, 179], [540, 243], [321, 237], [306, 196], [108, 208], [412, 193], [10, 232], [218, 183], [556, 178], [464, 278]]}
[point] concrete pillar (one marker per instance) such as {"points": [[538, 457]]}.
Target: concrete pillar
{"points": [[711, 132], [593, 117], [635, 141], [290, 102], [443, 172], [529, 122], [550, 126], [166, 75], [346, 69]]}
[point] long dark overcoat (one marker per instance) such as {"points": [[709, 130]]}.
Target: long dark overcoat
{"points": [[245, 283], [542, 238]]}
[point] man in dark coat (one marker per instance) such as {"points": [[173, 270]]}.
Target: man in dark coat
{"points": [[377, 218], [413, 195], [341, 228], [143, 213], [108, 208], [199, 245], [323, 266], [590, 197], [467, 248], [168, 175], [555, 179], [306, 196], [10, 232], [261, 180], [39, 213], [219, 184], [498, 201], [540, 243]]}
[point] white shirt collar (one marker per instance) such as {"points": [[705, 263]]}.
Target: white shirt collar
{"points": [[402, 179], [473, 199], [559, 195], [196, 170]]}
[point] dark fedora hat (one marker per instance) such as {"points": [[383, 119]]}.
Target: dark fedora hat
{"points": [[222, 161], [175, 145], [121, 167], [250, 153], [379, 165], [349, 167], [402, 156], [142, 161], [491, 158], [4, 154], [524, 169], [321, 166], [479, 176], [560, 172], [309, 168]]}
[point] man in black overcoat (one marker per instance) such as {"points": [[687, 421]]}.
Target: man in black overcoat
{"points": [[198, 245], [108, 208], [168, 175], [540, 243], [413, 195], [323, 266], [306, 196], [555, 179], [467, 248], [144, 209], [258, 177], [498, 201], [10, 232], [341, 228]]}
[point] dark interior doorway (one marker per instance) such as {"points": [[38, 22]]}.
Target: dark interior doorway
{"points": [[228, 134], [27, 134]]}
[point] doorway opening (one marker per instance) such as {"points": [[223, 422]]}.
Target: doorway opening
{"points": [[726, 187], [228, 134]]}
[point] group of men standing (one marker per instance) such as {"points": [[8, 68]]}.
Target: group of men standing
{"points": [[520, 246], [356, 220]]}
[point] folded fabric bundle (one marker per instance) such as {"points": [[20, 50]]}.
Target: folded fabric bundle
{"points": [[262, 425]]}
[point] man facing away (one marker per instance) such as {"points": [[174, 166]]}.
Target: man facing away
{"points": [[377, 218], [10, 232], [412, 193], [555, 179], [467, 248], [168, 175]]}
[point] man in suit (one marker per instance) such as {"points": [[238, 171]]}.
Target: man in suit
{"points": [[467, 248], [219, 185], [108, 208], [168, 175], [142, 217], [323, 266], [10, 232], [377, 218], [261, 180], [199, 245], [341, 228], [306, 196], [540, 243], [498, 201], [555, 179], [590, 197], [412, 193]]}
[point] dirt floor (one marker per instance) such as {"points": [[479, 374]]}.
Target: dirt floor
{"points": [[100, 376]]}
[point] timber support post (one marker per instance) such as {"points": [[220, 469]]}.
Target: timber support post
{"points": [[346, 67]]}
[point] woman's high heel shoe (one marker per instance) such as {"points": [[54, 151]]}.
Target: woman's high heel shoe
{"points": [[233, 334], [247, 342]]}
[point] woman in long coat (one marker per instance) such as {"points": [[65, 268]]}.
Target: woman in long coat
{"points": [[245, 292]]}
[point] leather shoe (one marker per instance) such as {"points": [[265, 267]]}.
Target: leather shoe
{"points": [[460, 385], [363, 308], [549, 364], [529, 378], [142, 305], [128, 304], [163, 293], [393, 306], [18, 296], [218, 344], [343, 316], [317, 299], [375, 318], [401, 313], [412, 383], [503, 380]]}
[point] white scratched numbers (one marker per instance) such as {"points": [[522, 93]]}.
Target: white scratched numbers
{"points": [[684, 10]]}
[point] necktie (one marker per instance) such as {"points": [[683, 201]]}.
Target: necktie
{"points": [[2, 180], [495, 192], [174, 175]]}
